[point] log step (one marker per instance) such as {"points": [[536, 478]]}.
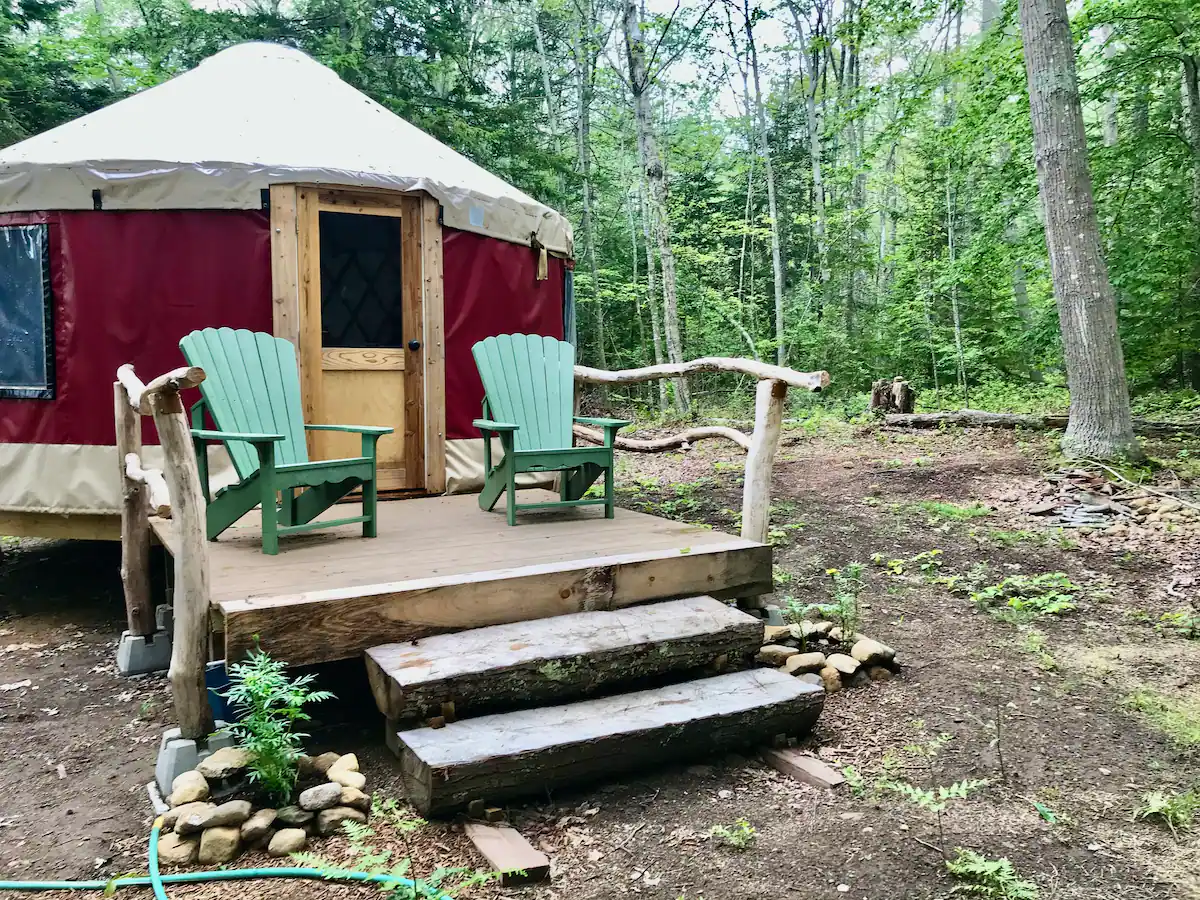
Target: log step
{"points": [[559, 658], [508, 755]]}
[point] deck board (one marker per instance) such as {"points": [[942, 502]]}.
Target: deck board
{"points": [[442, 564]]}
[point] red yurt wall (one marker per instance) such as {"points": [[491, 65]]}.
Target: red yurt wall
{"points": [[127, 286], [491, 287]]}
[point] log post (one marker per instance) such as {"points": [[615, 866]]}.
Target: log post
{"points": [[135, 530], [769, 400], [189, 653]]}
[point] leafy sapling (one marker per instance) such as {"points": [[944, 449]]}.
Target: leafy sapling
{"points": [[271, 705], [996, 879]]}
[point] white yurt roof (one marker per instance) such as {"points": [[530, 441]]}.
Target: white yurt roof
{"points": [[253, 115]]}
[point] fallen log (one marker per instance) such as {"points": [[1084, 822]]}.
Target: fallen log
{"points": [[654, 445], [809, 381], [974, 418]]}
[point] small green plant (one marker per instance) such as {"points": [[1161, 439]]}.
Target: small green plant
{"points": [[929, 562], [781, 576], [996, 879], [938, 509], [1183, 623], [931, 799], [1178, 718], [270, 706], [1023, 598], [1176, 811], [740, 835], [364, 856], [855, 781], [843, 608], [1035, 642], [894, 566]]}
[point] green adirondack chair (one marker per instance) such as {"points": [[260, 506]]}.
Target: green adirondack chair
{"points": [[252, 392], [529, 387]]}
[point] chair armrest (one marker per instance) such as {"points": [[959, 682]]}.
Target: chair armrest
{"points": [[249, 436], [352, 429], [489, 425], [603, 423]]}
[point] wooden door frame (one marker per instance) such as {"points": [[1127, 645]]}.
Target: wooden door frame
{"points": [[296, 297]]}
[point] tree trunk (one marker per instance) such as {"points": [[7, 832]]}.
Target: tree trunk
{"points": [[1191, 93], [652, 165], [760, 118], [651, 301], [585, 63], [1100, 424], [813, 69], [1112, 100]]}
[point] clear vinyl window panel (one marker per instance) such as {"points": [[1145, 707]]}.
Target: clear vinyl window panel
{"points": [[361, 296], [26, 313]]}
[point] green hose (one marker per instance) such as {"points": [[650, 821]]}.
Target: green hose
{"points": [[156, 881]]}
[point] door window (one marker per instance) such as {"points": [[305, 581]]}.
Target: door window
{"points": [[360, 280]]}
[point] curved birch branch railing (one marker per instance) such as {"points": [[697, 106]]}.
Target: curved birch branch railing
{"points": [[769, 401], [175, 492]]}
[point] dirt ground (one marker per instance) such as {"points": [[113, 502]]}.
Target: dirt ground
{"points": [[1096, 707]]}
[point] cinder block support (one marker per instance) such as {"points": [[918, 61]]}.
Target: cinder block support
{"points": [[138, 654], [177, 754]]}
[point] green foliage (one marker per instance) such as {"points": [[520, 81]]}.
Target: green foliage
{"points": [[1034, 641], [1176, 716], [855, 781], [935, 800], [995, 879], [1176, 810], [739, 835], [843, 607], [270, 706], [1023, 598], [363, 855], [1184, 623], [938, 509]]}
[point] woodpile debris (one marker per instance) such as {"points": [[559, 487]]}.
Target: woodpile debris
{"points": [[895, 396], [1085, 499]]}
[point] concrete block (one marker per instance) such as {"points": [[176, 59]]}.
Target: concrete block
{"points": [[138, 654], [164, 618], [774, 615], [177, 754]]}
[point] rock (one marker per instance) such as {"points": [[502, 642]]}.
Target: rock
{"points": [[220, 845], [293, 816], [355, 799], [804, 662], [811, 678], [701, 771], [322, 763], [329, 821], [775, 654], [256, 828], [263, 842], [823, 627], [178, 851], [772, 633], [347, 761], [1169, 506], [872, 653], [832, 679], [1154, 517], [806, 631], [171, 816], [188, 787], [190, 818], [321, 797], [346, 778], [233, 813], [879, 673], [225, 763], [287, 842], [846, 665], [858, 679]]}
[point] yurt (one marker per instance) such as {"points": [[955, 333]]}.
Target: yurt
{"points": [[256, 191]]}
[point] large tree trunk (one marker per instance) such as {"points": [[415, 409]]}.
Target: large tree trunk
{"points": [[1100, 423], [652, 302], [760, 118], [639, 87], [1191, 94], [814, 70]]}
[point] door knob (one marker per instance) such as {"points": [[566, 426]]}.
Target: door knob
{"points": [[414, 345]]}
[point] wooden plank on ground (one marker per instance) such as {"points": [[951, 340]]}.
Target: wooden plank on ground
{"points": [[508, 853], [799, 765], [545, 660], [508, 755], [323, 625]]}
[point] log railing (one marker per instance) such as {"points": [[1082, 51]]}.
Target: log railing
{"points": [[769, 401], [176, 492]]}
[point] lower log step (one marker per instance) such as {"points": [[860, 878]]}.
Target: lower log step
{"points": [[509, 755]]}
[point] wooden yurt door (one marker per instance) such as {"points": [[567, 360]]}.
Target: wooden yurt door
{"points": [[362, 330]]}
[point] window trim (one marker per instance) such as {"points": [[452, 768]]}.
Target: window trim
{"points": [[48, 392]]}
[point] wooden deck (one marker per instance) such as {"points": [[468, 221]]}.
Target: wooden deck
{"points": [[441, 564]]}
